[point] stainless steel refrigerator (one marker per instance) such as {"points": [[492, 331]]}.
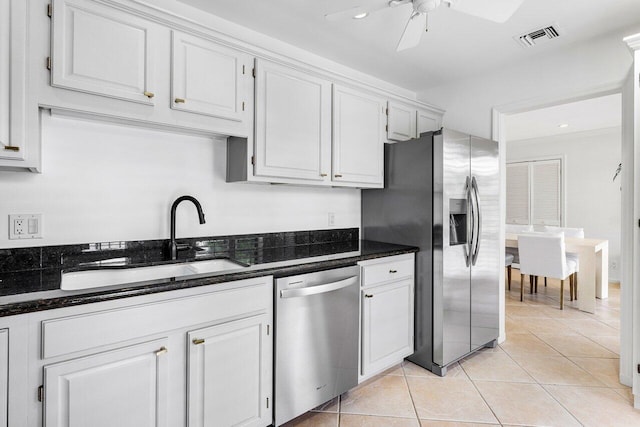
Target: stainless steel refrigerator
{"points": [[442, 194]]}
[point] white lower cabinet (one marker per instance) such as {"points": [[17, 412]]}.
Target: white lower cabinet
{"points": [[4, 376], [197, 357], [387, 325], [125, 387], [228, 374], [387, 313]]}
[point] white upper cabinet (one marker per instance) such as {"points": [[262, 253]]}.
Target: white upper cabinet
{"points": [[207, 78], [102, 50], [16, 123], [401, 123], [427, 121], [5, 73], [358, 137], [407, 122], [292, 123]]}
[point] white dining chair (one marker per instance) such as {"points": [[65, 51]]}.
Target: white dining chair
{"points": [[508, 261], [543, 254], [569, 232], [515, 229]]}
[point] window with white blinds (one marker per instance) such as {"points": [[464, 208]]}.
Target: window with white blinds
{"points": [[534, 192], [518, 193]]}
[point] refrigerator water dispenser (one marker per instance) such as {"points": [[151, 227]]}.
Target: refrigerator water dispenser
{"points": [[457, 222]]}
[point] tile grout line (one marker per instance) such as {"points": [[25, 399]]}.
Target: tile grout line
{"points": [[413, 403], [481, 395], [543, 385]]}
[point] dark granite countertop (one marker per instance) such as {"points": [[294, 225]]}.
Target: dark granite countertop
{"points": [[39, 289]]}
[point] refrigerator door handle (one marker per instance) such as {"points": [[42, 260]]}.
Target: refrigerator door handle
{"points": [[470, 222], [478, 211]]}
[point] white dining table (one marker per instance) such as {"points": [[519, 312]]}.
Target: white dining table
{"points": [[593, 277]]}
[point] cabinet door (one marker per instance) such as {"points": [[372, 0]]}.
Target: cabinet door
{"points": [[102, 50], [229, 374], [358, 137], [401, 123], [124, 388], [207, 78], [4, 376], [5, 71], [427, 122], [387, 325], [293, 123], [13, 17]]}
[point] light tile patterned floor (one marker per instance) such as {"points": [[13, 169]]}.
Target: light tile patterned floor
{"points": [[556, 368]]}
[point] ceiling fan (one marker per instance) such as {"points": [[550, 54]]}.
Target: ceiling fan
{"points": [[493, 10]]}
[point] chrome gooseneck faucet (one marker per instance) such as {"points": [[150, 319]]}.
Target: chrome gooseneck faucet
{"points": [[173, 247]]}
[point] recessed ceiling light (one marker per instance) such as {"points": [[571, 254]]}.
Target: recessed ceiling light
{"points": [[563, 125], [361, 15]]}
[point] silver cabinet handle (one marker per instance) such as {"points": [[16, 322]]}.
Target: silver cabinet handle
{"points": [[368, 296], [197, 341], [162, 351], [319, 289]]}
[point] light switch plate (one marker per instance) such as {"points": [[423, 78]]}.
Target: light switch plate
{"points": [[25, 226]]}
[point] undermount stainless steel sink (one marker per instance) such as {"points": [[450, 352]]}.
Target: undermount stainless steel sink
{"points": [[88, 279]]}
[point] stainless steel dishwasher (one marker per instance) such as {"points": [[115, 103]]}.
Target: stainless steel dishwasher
{"points": [[316, 335]]}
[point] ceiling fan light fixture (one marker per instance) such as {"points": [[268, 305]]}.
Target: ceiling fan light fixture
{"points": [[425, 6], [361, 15]]}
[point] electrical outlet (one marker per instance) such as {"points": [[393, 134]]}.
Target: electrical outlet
{"points": [[27, 226], [332, 219], [18, 227]]}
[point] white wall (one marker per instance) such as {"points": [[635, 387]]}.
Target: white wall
{"points": [[592, 200], [600, 63], [104, 182]]}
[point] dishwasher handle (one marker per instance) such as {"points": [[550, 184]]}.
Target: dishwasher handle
{"points": [[320, 289]]}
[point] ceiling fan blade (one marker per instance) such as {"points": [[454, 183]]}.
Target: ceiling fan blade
{"points": [[493, 10], [356, 10], [416, 25]]}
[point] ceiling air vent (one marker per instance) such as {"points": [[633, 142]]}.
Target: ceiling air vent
{"points": [[538, 36]]}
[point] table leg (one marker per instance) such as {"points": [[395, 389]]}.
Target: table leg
{"points": [[602, 272], [587, 280]]}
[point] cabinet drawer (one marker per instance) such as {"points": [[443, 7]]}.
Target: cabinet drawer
{"points": [[388, 269], [82, 332]]}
